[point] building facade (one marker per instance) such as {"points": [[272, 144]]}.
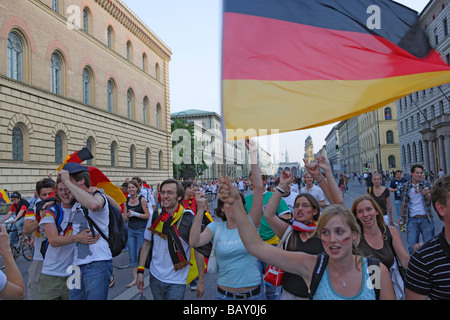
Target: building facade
{"points": [[79, 73], [424, 116]]}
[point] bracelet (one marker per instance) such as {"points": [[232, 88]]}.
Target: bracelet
{"points": [[318, 182], [279, 189], [140, 269]]}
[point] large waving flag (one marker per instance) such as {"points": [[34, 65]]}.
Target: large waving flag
{"points": [[78, 157], [4, 196], [296, 64]]}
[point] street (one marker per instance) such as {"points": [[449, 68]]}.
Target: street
{"points": [[123, 276]]}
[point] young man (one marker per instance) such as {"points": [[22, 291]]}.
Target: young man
{"points": [[19, 208], [170, 250], [416, 208], [397, 187], [94, 259], [44, 188], [428, 274], [60, 252]]}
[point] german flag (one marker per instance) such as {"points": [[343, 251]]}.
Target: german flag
{"points": [[99, 180], [297, 64], [78, 157]]}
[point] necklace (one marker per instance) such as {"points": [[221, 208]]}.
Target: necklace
{"points": [[344, 284]]}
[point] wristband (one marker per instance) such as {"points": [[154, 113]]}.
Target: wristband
{"points": [[279, 189], [320, 180], [140, 269]]}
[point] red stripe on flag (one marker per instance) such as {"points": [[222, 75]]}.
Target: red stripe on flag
{"points": [[257, 48]]}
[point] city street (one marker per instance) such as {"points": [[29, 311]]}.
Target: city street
{"points": [[123, 276]]}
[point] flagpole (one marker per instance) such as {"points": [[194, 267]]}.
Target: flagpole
{"points": [[222, 118]]}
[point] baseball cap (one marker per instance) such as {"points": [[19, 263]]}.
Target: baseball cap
{"points": [[15, 195], [74, 167]]}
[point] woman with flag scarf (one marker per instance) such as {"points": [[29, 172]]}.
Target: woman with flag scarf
{"points": [[298, 232]]}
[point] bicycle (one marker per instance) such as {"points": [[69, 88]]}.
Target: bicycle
{"points": [[23, 247]]}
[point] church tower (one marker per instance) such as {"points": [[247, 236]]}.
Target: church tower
{"points": [[309, 149]]}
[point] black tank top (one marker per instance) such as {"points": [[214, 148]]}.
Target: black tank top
{"points": [[293, 283], [386, 254], [134, 222]]}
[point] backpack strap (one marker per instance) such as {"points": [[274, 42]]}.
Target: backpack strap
{"points": [[374, 262], [319, 269]]}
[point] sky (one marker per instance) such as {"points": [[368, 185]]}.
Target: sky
{"points": [[192, 29]]}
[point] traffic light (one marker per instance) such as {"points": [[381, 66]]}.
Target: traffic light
{"points": [[337, 148], [366, 165]]}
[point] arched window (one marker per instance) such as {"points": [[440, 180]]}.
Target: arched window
{"points": [[391, 162], [86, 86], [56, 74], [387, 114], [130, 104], [160, 160], [90, 144], [132, 156], [111, 94], [157, 75], [17, 144], [144, 62], [145, 113], [110, 37], [158, 116], [389, 137], [129, 51], [15, 57], [58, 149], [87, 20], [113, 154], [147, 158]]}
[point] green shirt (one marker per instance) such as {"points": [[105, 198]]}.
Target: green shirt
{"points": [[265, 231]]}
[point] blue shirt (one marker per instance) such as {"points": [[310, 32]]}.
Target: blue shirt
{"points": [[237, 267]]}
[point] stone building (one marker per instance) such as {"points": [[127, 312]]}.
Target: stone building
{"points": [[81, 73], [424, 116]]}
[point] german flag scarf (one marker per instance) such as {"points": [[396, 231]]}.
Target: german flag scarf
{"points": [[166, 228]]}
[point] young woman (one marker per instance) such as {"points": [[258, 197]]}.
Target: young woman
{"points": [[136, 212], [299, 237], [382, 197], [239, 276], [380, 241]]}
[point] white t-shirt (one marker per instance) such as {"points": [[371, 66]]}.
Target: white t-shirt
{"points": [[99, 251], [290, 200], [58, 259], [315, 191], [39, 234], [416, 204], [161, 266]]}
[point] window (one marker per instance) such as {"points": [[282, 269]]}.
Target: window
{"points": [[87, 20], [86, 86], [111, 94], [391, 162], [144, 62], [129, 51], [113, 154], [58, 149], [15, 57], [55, 7], [389, 137], [130, 104], [157, 75], [436, 36], [90, 145], [147, 158], [445, 27], [56, 72], [145, 110], [110, 38], [132, 156], [17, 144], [387, 114], [158, 115], [160, 159]]}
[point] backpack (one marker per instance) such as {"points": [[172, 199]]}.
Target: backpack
{"points": [[58, 220], [118, 232], [321, 265]]}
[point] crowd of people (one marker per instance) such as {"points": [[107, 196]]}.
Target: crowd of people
{"points": [[308, 238]]}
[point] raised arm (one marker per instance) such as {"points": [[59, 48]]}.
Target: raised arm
{"points": [[293, 262], [278, 226], [197, 238], [257, 183]]}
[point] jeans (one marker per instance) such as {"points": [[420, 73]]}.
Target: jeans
{"points": [[166, 291], [95, 278], [135, 241], [398, 206], [415, 228], [16, 230]]}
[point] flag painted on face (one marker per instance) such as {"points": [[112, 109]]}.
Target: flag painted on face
{"points": [[291, 65], [78, 157]]}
